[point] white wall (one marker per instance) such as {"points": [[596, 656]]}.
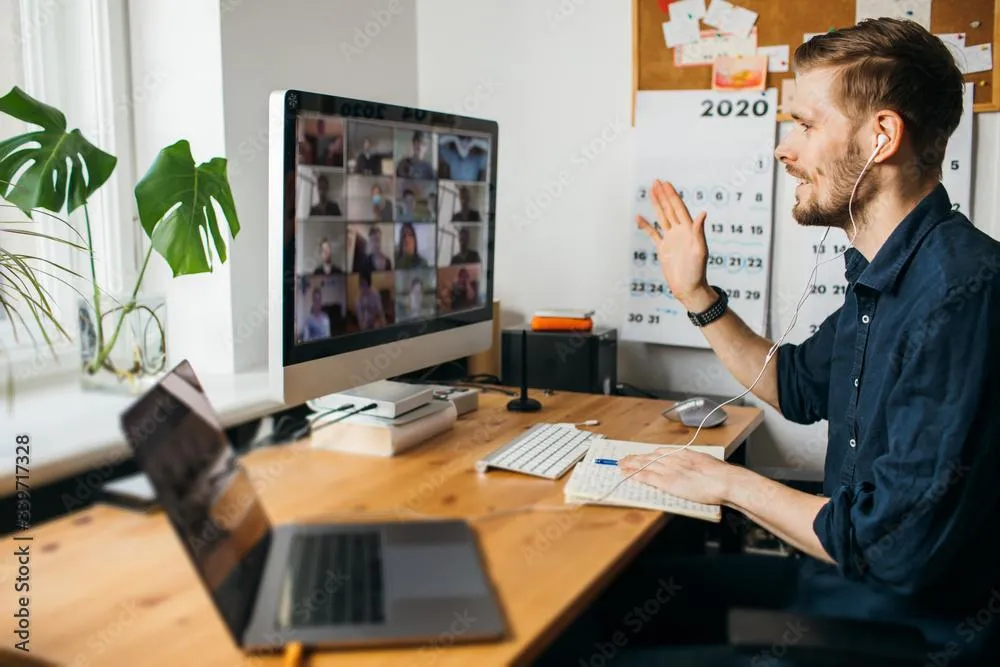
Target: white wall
{"points": [[556, 75], [208, 69], [341, 47]]}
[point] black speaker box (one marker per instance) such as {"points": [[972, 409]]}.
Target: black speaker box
{"points": [[582, 361]]}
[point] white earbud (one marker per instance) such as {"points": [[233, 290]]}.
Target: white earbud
{"points": [[880, 141]]}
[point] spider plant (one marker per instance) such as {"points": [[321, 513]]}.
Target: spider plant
{"points": [[51, 169]]}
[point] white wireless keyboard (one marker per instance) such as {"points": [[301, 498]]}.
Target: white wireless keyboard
{"points": [[544, 450]]}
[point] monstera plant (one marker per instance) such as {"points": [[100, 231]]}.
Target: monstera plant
{"points": [[51, 170]]}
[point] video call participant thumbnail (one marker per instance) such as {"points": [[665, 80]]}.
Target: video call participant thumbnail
{"points": [[320, 311], [415, 161], [415, 294], [458, 288], [416, 201], [415, 246], [466, 254], [322, 142], [326, 206], [369, 198], [371, 296], [371, 149], [372, 247], [463, 158]]}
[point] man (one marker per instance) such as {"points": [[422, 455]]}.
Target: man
{"points": [[463, 158], [465, 211], [326, 266], [367, 162], [906, 371], [463, 292], [371, 315], [407, 207], [465, 254], [377, 260], [415, 166], [381, 206], [325, 206], [317, 324]]}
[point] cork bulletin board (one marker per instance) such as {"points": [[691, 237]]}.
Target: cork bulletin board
{"points": [[786, 22]]}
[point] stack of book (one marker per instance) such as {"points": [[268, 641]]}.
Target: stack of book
{"points": [[404, 416], [562, 319]]}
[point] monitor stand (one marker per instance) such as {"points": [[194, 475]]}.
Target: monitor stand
{"points": [[523, 403]]}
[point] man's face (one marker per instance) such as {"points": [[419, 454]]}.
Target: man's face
{"points": [[409, 200], [323, 186], [326, 252], [419, 147], [367, 145], [317, 300], [822, 151], [463, 239], [463, 198]]}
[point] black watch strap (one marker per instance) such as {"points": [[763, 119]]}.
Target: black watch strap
{"points": [[714, 312]]}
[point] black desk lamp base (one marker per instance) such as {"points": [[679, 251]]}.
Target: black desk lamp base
{"points": [[523, 403]]}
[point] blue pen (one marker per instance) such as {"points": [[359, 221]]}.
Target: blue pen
{"points": [[606, 462]]}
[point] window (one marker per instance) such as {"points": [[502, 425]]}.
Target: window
{"points": [[73, 56]]}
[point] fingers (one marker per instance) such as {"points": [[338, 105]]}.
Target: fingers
{"points": [[652, 232], [663, 210]]}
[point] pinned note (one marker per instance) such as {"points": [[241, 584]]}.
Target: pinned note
{"points": [[777, 57], [717, 12], [955, 41], [738, 21], [714, 44], [979, 58], [687, 10], [678, 33], [739, 73], [913, 10]]}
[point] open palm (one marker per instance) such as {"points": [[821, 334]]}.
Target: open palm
{"points": [[679, 241]]}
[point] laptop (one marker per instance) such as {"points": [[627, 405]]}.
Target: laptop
{"points": [[332, 585]]}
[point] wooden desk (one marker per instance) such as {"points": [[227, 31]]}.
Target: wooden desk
{"points": [[114, 587]]}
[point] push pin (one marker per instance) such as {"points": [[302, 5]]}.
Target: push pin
{"points": [[976, 24]]}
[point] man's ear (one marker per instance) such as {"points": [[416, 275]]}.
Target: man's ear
{"points": [[888, 124]]}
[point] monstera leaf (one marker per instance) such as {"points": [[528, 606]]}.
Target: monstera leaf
{"points": [[175, 208], [49, 167]]}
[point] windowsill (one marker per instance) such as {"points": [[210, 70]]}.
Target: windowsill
{"points": [[72, 430]]}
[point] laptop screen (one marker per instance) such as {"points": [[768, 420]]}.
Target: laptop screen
{"points": [[179, 443]]}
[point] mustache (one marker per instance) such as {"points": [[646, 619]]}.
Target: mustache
{"points": [[795, 174]]}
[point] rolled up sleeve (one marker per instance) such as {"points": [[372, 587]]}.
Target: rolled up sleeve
{"points": [[901, 529], [804, 374]]}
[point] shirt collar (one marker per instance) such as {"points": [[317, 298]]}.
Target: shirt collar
{"points": [[883, 271]]}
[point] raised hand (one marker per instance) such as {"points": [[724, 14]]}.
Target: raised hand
{"points": [[681, 246]]}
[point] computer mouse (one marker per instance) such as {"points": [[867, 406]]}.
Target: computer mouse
{"points": [[692, 411]]}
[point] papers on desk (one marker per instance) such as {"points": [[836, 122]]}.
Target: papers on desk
{"points": [[601, 484]]}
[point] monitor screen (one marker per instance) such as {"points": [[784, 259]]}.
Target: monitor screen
{"points": [[392, 223]]}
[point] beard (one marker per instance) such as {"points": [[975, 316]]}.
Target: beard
{"points": [[841, 177]]}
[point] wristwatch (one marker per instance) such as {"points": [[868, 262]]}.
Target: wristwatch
{"points": [[714, 312]]}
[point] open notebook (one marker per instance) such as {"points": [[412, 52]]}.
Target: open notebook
{"points": [[591, 481]]}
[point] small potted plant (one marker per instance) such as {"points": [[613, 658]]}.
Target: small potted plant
{"points": [[122, 337]]}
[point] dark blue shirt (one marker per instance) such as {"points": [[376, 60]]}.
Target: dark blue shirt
{"points": [[906, 373]]}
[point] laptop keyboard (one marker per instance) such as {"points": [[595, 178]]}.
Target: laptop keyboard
{"points": [[337, 579]]}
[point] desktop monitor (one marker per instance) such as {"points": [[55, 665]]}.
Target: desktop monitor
{"points": [[381, 230]]}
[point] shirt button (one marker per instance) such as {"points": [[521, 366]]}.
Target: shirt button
{"points": [[854, 443], [866, 319], [855, 382]]}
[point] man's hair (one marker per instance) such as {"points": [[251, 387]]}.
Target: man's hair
{"points": [[898, 65]]}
